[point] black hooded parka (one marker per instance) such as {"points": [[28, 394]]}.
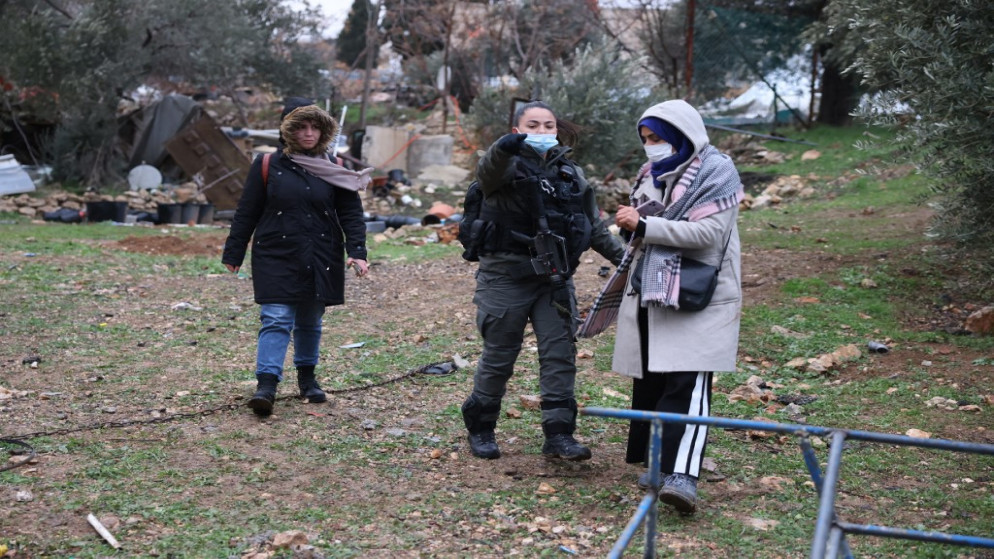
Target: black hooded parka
{"points": [[300, 226]]}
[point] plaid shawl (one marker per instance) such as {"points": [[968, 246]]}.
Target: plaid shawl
{"points": [[694, 197]]}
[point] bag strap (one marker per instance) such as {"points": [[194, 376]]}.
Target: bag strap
{"points": [[727, 240], [265, 170]]}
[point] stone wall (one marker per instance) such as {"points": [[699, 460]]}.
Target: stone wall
{"points": [[36, 205]]}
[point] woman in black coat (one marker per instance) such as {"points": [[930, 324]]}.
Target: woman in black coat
{"points": [[302, 212]]}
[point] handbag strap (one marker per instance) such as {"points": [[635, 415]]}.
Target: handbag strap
{"points": [[727, 240]]}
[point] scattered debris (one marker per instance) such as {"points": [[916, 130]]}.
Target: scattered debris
{"points": [[444, 368], [763, 524], [754, 391], [877, 347], [949, 404], [104, 533], [794, 412], [460, 361], [777, 329], [761, 434], [8, 394], [796, 399], [613, 393], [828, 361]]}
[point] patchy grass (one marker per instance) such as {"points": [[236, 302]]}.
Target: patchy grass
{"points": [[145, 350]]}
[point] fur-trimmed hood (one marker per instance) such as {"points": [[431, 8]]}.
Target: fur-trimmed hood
{"points": [[315, 115]]}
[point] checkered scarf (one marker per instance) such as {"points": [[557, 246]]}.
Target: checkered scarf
{"points": [[695, 196]]}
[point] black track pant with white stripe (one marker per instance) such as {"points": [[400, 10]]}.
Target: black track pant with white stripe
{"points": [[686, 393]]}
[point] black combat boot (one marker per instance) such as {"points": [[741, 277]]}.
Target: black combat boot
{"points": [[308, 385], [559, 441], [482, 440], [265, 395], [564, 446]]}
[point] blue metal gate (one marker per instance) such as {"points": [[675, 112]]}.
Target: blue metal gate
{"points": [[829, 540]]}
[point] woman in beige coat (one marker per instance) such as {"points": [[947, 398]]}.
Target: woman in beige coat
{"points": [[689, 194]]}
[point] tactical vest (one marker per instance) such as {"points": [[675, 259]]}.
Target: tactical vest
{"points": [[510, 229]]}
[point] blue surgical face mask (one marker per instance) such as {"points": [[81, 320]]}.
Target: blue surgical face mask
{"points": [[542, 142]]}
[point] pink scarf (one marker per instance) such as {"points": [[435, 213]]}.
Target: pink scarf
{"points": [[335, 175]]}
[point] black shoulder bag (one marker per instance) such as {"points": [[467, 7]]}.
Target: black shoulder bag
{"points": [[697, 280]]}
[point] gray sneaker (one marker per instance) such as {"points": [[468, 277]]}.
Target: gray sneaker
{"points": [[643, 481], [680, 492]]}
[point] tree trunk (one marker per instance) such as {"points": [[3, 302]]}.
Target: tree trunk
{"points": [[373, 10], [839, 96]]}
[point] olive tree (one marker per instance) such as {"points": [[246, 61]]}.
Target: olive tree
{"points": [[600, 89], [931, 63], [86, 56]]}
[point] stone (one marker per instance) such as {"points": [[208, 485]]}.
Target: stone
{"points": [[981, 321], [290, 538]]}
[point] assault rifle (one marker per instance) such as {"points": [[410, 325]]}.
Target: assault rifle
{"points": [[549, 258]]}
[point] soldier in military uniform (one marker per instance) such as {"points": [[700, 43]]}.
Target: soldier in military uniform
{"points": [[531, 193]]}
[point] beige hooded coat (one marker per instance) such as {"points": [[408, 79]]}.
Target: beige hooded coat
{"points": [[705, 340]]}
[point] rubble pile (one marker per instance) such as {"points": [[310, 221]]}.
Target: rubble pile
{"points": [[612, 193], [616, 192], [792, 186], [745, 150]]}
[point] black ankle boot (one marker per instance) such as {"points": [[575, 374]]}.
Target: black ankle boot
{"points": [[308, 385], [564, 446], [482, 440], [484, 445], [559, 441], [265, 395]]}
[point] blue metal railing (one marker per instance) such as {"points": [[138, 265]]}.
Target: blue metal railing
{"points": [[829, 537]]}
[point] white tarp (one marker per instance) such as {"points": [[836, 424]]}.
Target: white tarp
{"points": [[759, 104], [14, 179]]}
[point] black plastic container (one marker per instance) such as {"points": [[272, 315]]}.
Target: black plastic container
{"points": [[186, 213], [106, 211], [190, 213], [205, 216], [170, 213]]}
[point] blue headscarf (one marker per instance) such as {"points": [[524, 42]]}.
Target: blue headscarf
{"points": [[671, 135]]}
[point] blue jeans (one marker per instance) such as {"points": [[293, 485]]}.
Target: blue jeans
{"points": [[303, 320]]}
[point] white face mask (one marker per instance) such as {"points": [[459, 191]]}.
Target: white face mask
{"points": [[658, 152]]}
